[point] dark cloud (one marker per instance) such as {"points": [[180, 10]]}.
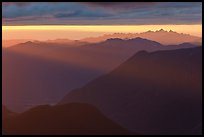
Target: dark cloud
{"points": [[14, 10], [104, 12], [120, 5], [15, 3], [78, 14]]}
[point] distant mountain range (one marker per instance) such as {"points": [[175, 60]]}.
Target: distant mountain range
{"points": [[161, 36], [69, 119], [59, 42], [151, 93], [12, 42], [48, 72]]}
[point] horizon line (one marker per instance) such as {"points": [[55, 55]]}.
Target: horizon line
{"points": [[194, 30]]}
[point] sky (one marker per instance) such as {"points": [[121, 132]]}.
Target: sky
{"points": [[91, 16]]}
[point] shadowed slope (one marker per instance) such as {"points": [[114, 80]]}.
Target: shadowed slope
{"points": [[74, 118], [40, 73], [151, 93]]}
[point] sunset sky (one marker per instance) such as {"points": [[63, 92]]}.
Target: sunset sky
{"points": [[76, 20]]}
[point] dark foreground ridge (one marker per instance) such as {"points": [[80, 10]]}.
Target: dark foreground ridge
{"points": [[68, 119]]}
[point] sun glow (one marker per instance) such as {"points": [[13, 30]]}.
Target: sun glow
{"points": [[93, 30]]}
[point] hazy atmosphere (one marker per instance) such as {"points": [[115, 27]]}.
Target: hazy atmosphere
{"points": [[102, 68]]}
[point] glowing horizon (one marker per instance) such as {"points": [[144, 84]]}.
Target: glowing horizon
{"points": [[83, 31]]}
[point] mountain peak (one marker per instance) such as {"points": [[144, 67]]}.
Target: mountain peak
{"points": [[149, 31], [28, 42], [171, 31], [114, 39], [161, 30]]}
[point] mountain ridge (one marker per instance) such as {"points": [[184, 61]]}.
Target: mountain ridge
{"points": [[72, 67], [161, 36], [156, 93], [67, 119]]}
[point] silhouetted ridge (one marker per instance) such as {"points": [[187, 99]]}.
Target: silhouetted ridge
{"points": [[136, 40], [67, 119], [114, 39], [28, 42], [38, 108], [162, 36], [141, 53], [151, 93], [187, 44], [6, 112], [67, 68]]}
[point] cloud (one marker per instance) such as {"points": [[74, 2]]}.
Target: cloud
{"points": [[120, 6], [79, 13], [58, 10], [15, 10], [104, 12], [15, 3]]}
